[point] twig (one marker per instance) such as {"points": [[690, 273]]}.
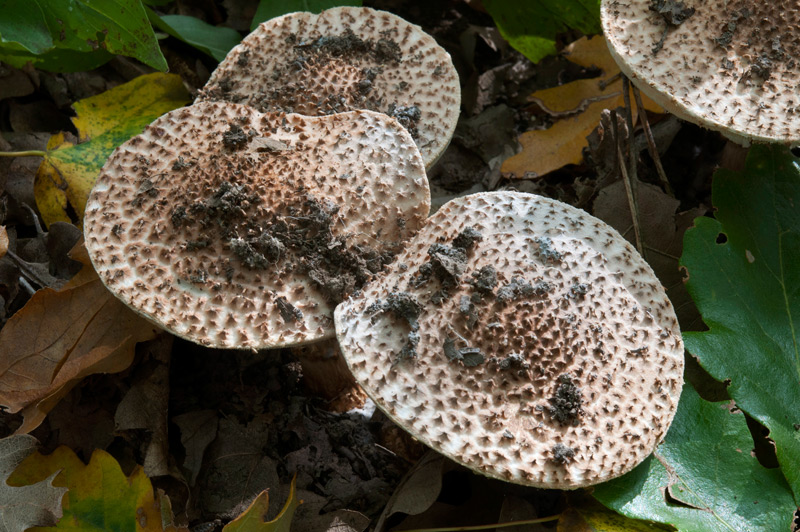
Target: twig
{"points": [[29, 153], [487, 527], [634, 208], [651, 142], [581, 107]]}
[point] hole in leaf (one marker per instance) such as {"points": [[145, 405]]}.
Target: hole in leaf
{"points": [[795, 151], [722, 238]]}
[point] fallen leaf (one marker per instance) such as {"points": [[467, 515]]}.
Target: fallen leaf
{"points": [[254, 518], [68, 171], [61, 336], [144, 406], [578, 104], [662, 229], [3, 241], [198, 429], [22, 507], [99, 497]]}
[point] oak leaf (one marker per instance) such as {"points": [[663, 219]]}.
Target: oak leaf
{"points": [[99, 496], [61, 336], [576, 106], [254, 519], [22, 507]]}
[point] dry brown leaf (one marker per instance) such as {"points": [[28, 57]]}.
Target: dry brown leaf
{"points": [[61, 336], [549, 149], [3, 241]]}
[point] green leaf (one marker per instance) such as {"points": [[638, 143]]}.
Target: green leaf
{"points": [[212, 40], [702, 478], [268, 9], [96, 28], [531, 26], [23, 23], [748, 292], [68, 172]]}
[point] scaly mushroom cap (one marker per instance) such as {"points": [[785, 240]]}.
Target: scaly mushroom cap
{"points": [[343, 59], [730, 66], [237, 229], [522, 338]]}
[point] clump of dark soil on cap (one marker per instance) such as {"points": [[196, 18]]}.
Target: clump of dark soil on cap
{"points": [[295, 237]]}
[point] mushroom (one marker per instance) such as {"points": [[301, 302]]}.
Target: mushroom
{"points": [[237, 229], [343, 59], [520, 337], [729, 66]]}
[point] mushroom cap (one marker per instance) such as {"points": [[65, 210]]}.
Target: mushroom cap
{"points": [[237, 229], [731, 66], [343, 59], [563, 373]]}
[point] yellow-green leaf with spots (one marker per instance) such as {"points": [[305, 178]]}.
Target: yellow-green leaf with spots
{"points": [[99, 496], [589, 516], [69, 171]]}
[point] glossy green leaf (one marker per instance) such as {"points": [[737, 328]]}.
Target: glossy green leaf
{"points": [[268, 9], [76, 28], [744, 277], [531, 26], [213, 40], [702, 478]]}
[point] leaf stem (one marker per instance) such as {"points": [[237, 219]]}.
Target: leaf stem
{"points": [[29, 153], [487, 527]]}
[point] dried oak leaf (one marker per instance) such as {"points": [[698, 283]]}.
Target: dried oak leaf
{"points": [[99, 495], [34, 504], [61, 336], [576, 107]]}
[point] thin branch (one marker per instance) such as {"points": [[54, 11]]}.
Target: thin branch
{"points": [[29, 153], [489, 526], [651, 142]]}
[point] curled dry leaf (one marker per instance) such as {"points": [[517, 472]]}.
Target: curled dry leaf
{"points": [[576, 108], [61, 336], [3, 241]]}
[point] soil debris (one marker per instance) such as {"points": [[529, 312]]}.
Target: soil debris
{"points": [[405, 307], [447, 263], [466, 307], [467, 238], [469, 356], [235, 137], [484, 280], [562, 454], [565, 405], [289, 312], [519, 288], [674, 13], [546, 249]]}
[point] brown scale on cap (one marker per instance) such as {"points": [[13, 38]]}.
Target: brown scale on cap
{"points": [[237, 229], [554, 360], [343, 59], [730, 66]]}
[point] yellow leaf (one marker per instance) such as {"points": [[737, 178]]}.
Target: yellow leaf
{"points": [[254, 519], [582, 101], [100, 497], [61, 336], [68, 172]]}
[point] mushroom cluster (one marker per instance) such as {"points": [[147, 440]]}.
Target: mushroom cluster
{"points": [[522, 338], [514, 334], [343, 59], [727, 65]]}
